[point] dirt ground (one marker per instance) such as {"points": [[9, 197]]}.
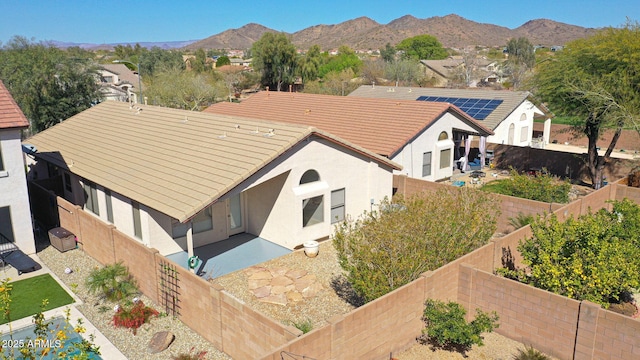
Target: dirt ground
{"points": [[629, 139]]}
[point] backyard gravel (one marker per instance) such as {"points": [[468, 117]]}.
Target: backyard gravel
{"points": [[132, 346], [317, 309]]}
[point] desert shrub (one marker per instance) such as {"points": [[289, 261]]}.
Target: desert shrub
{"points": [[134, 315], [521, 220], [530, 353], [542, 187], [391, 247], [594, 257], [304, 325], [446, 326], [113, 282]]}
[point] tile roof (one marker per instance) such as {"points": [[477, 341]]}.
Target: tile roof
{"points": [[174, 161], [123, 72], [510, 99], [383, 126], [10, 114]]}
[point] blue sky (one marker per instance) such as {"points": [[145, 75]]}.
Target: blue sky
{"points": [[93, 21]]}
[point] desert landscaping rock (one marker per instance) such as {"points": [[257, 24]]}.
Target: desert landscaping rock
{"points": [[160, 341]]}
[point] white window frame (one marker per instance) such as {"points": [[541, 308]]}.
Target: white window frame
{"points": [[338, 203]]}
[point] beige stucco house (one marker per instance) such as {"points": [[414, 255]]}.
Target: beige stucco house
{"points": [[118, 83], [176, 179], [417, 135], [15, 212]]}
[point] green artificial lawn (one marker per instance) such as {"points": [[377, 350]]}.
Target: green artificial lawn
{"points": [[27, 296]]}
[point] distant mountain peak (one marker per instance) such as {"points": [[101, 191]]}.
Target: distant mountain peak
{"points": [[363, 33]]}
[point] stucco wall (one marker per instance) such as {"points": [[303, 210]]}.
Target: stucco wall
{"points": [[502, 130], [411, 155], [13, 186], [275, 196]]}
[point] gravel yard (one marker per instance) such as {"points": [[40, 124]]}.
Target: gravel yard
{"points": [[317, 309], [133, 347]]}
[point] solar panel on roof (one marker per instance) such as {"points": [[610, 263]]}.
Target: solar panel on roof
{"points": [[478, 109]]}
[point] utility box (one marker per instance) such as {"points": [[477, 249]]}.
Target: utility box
{"points": [[62, 239]]}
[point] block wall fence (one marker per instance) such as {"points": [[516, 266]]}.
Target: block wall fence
{"points": [[561, 327]]}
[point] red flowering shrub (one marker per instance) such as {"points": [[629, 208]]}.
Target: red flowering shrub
{"points": [[133, 317]]}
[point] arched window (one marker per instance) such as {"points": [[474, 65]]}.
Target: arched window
{"points": [[523, 117], [309, 176], [443, 136]]}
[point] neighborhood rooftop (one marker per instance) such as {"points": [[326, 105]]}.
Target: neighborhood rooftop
{"points": [[174, 161], [510, 99], [10, 114], [383, 126]]}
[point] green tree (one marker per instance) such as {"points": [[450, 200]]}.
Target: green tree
{"points": [[199, 63], [48, 84], [521, 60], [223, 60], [598, 80], [310, 64], [447, 327], [388, 54], [157, 60], [521, 51], [422, 47], [404, 72], [188, 90], [345, 59], [113, 282], [594, 257], [391, 247], [275, 56], [333, 83]]}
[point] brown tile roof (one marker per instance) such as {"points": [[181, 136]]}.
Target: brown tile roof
{"points": [[381, 125], [174, 161], [510, 99], [10, 114]]}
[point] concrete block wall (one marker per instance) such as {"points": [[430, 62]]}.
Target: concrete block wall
{"points": [[546, 321], [392, 322], [96, 238], [248, 334], [623, 191], [606, 335], [139, 259], [199, 304]]}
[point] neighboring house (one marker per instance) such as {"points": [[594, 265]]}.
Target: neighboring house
{"points": [[15, 211], [439, 72], [177, 179], [421, 136], [118, 82], [509, 114], [240, 62], [447, 72]]}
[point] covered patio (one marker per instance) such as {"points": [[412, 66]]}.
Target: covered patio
{"points": [[235, 253]]}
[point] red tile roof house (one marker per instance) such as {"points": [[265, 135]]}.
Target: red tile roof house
{"points": [[511, 120], [15, 212], [418, 135]]}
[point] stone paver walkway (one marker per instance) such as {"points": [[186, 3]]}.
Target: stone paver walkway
{"points": [[281, 286]]}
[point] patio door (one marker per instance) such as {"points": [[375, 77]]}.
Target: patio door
{"points": [[235, 215]]}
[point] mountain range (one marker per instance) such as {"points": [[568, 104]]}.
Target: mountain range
{"points": [[364, 33]]}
